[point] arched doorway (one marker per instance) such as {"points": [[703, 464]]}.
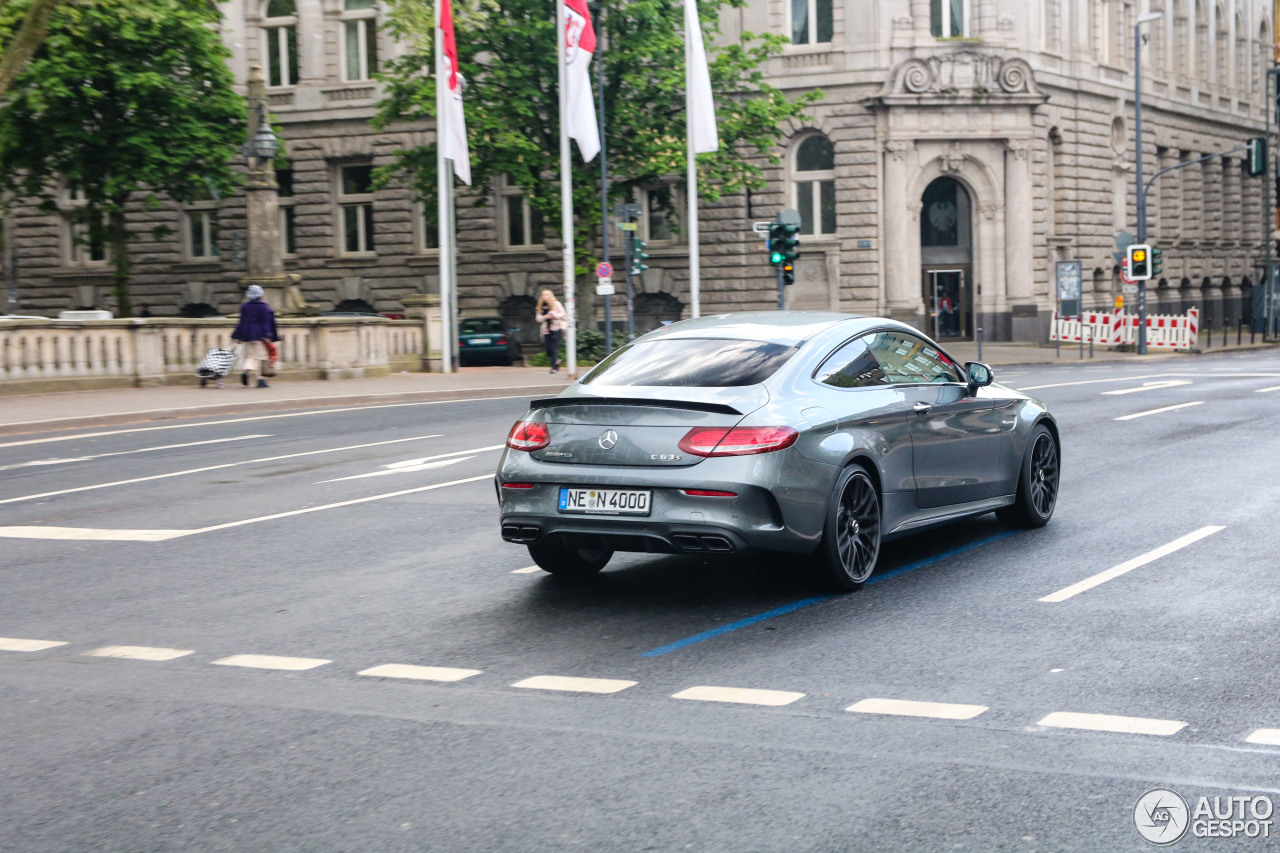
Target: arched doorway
{"points": [[946, 259]]}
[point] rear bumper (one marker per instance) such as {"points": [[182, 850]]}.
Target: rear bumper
{"points": [[607, 533]]}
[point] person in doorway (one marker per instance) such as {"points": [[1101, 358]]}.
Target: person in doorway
{"points": [[257, 328], [947, 309], [551, 315]]}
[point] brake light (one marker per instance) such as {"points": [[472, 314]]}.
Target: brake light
{"points": [[709, 493], [517, 485], [528, 436], [502, 342], [738, 441]]}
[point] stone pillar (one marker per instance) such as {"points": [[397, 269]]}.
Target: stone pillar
{"points": [[1018, 217], [148, 353], [902, 299], [426, 308], [263, 261]]}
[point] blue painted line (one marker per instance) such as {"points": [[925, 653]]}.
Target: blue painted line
{"points": [[817, 599]]}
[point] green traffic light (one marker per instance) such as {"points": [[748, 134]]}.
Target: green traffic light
{"points": [[777, 257]]}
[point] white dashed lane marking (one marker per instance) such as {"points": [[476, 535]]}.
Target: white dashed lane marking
{"points": [[419, 673], [13, 644], [45, 462], [527, 570], [575, 685], [908, 708], [1149, 386], [1110, 723], [1159, 410], [272, 662], [139, 653], [1267, 737], [1265, 390], [739, 695], [1129, 565]]}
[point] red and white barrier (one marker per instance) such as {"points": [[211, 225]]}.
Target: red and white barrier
{"points": [[1164, 331]]}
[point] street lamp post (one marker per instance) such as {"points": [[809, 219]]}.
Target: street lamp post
{"points": [[264, 264], [1141, 200]]}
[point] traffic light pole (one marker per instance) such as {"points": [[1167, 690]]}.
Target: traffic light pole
{"points": [[782, 289], [1142, 199]]}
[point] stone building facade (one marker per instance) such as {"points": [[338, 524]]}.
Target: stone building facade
{"points": [[962, 147]]}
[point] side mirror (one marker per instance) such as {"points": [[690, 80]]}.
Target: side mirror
{"points": [[980, 375]]}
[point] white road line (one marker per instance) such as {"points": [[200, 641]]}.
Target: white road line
{"points": [[420, 673], [162, 535], [139, 653], [575, 685], [1129, 565], [528, 570], [1267, 390], [214, 468], [35, 425], [1109, 723], [1094, 381], [426, 463], [1149, 386], [13, 644], [272, 662], [44, 462], [741, 695], [1266, 737], [1159, 410], [907, 708]]}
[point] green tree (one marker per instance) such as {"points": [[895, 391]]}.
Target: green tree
{"points": [[24, 39], [507, 55], [124, 100]]}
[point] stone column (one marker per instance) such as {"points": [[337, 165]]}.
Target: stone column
{"points": [[901, 287], [1018, 219], [264, 265]]}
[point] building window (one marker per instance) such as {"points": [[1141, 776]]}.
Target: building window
{"points": [[949, 18], [359, 39], [202, 233], [1222, 48], [659, 219], [1202, 42], [288, 214], [812, 21], [355, 203], [280, 34], [85, 239], [1242, 56], [521, 224], [815, 185], [428, 230]]}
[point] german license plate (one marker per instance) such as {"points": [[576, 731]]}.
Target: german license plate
{"points": [[606, 501], [481, 341]]}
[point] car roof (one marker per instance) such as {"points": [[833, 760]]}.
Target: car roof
{"points": [[781, 327]]}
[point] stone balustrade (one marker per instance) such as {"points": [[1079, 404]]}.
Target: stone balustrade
{"points": [[57, 355]]}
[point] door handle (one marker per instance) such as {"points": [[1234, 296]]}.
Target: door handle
{"points": [[922, 408]]}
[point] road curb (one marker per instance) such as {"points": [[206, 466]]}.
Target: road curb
{"points": [[267, 406]]}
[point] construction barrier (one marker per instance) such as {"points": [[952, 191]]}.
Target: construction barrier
{"points": [[1164, 331]]}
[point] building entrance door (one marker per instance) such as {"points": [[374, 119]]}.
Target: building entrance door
{"points": [[948, 302]]}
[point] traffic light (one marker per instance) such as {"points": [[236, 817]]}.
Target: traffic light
{"points": [[638, 258], [1156, 265], [1139, 255], [1256, 160], [788, 274], [777, 235]]}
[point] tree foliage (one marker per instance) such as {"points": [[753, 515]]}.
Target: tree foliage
{"points": [[124, 98], [507, 56], [24, 39]]}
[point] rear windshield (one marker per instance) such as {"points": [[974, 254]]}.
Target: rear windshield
{"points": [[484, 325], [691, 362]]}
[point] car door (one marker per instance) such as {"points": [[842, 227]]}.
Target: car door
{"points": [[956, 437]]}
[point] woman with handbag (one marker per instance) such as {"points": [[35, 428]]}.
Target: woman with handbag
{"points": [[256, 329], [551, 315]]}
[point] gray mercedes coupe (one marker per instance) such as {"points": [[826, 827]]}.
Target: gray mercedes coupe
{"points": [[805, 433]]}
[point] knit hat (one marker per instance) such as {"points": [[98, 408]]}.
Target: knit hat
{"points": [[254, 292]]}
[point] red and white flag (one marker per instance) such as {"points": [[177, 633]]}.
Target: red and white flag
{"points": [[452, 123], [579, 45]]}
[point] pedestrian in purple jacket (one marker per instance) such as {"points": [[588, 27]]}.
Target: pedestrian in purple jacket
{"points": [[257, 325]]}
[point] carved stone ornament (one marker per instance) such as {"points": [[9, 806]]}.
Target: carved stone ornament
{"points": [[904, 23], [915, 207], [898, 148], [965, 72], [1018, 148], [952, 159], [991, 208]]}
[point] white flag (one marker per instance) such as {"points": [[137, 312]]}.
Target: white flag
{"points": [[699, 104], [579, 45], [452, 123]]}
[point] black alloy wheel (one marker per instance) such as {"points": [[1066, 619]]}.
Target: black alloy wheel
{"points": [[1037, 482], [851, 544]]}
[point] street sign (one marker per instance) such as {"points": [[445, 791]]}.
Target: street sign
{"points": [[604, 270], [1129, 289], [628, 226], [605, 287], [1069, 276], [1124, 274], [761, 227], [790, 216], [1123, 241]]}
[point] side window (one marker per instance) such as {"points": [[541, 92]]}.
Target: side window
{"points": [[852, 366], [908, 359]]}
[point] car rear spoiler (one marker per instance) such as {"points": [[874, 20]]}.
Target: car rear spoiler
{"points": [[691, 405]]}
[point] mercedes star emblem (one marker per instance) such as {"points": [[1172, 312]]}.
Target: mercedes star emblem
{"points": [[608, 439]]}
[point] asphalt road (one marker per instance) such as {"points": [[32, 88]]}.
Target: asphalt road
{"points": [[343, 541]]}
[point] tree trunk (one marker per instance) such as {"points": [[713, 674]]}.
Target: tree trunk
{"points": [[118, 230], [28, 39]]}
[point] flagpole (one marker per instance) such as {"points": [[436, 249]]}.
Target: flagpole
{"points": [[444, 183], [566, 199], [695, 271]]}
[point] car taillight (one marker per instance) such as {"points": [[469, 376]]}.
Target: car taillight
{"points": [[709, 493], [517, 485], [528, 435], [502, 342], [738, 441]]}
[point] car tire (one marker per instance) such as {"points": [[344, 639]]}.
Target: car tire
{"points": [[1037, 482], [506, 360], [851, 536], [557, 558]]}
